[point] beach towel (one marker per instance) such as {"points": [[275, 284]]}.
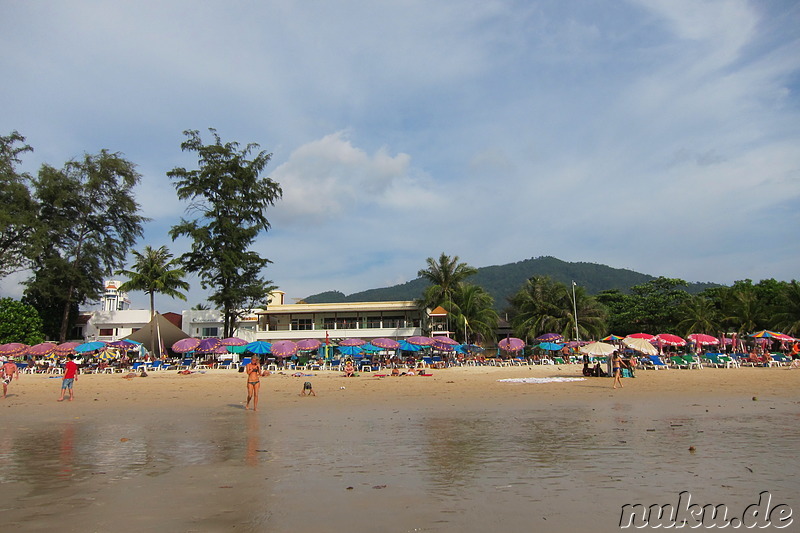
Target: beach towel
{"points": [[540, 380]]}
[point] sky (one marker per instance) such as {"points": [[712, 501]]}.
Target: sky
{"points": [[661, 136]]}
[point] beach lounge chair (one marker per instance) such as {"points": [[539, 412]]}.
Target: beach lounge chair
{"points": [[676, 361], [558, 361], [693, 361], [657, 363], [779, 359]]}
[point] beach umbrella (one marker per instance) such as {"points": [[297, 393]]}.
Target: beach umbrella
{"points": [[233, 341], [512, 344], [258, 347], [386, 344], [306, 345], [207, 345], [369, 347], [13, 349], [124, 344], [185, 345], [598, 348], [66, 348], [640, 345], [611, 338], [349, 350], [645, 336], [420, 341], [701, 339], [444, 347], [352, 342], [473, 348], [444, 340], [284, 348], [549, 337], [550, 346], [42, 349], [669, 339], [764, 334], [406, 346], [90, 346]]}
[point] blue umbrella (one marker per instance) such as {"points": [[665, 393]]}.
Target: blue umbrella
{"points": [[90, 346], [350, 350], [369, 347], [408, 347], [551, 346], [259, 347]]}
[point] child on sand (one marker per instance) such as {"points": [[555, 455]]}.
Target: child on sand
{"points": [[307, 389]]}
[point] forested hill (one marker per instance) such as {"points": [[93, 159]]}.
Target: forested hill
{"points": [[502, 281]]}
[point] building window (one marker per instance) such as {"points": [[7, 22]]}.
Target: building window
{"points": [[302, 324], [106, 332], [210, 332]]}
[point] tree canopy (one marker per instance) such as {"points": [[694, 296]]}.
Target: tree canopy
{"points": [[19, 322], [229, 197]]}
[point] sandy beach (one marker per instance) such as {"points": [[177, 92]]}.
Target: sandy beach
{"points": [[455, 451]]}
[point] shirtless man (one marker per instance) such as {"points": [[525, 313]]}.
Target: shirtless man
{"points": [[253, 371], [7, 372]]}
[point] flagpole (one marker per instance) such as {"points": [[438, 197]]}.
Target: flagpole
{"points": [[575, 312]]}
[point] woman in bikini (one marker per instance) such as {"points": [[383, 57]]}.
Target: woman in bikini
{"points": [[253, 371], [616, 366]]}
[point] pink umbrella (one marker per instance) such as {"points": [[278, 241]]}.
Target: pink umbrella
{"points": [[443, 346], [645, 336], [42, 349], [669, 339], [308, 344], [284, 348], [702, 339], [420, 341], [511, 344], [233, 341], [13, 349], [386, 344], [444, 340], [66, 348], [185, 345], [352, 342]]}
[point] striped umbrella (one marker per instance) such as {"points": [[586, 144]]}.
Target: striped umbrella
{"points": [[42, 349], [13, 349], [284, 348], [66, 348]]}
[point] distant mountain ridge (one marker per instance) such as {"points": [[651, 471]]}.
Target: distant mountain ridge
{"points": [[502, 281]]}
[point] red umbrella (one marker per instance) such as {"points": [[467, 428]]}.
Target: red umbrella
{"points": [[669, 339], [185, 345], [645, 336], [702, 339]]}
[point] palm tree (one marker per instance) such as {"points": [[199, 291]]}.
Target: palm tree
{"points": [[787, 319], [155, 271], [545, 306], [698, 315], [445, 277], [473, 311], [744, 311]]}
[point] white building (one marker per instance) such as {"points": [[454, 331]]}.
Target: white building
{"points": [[113, 298]]}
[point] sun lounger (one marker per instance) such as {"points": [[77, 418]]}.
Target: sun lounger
{"points": [[657, 363], [692, 361]]}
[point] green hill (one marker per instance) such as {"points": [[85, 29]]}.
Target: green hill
{"points": [[501, 281]]}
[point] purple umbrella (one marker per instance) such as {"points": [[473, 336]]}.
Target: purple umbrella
{"points": [[233, 341], [420, 341], [443, 346], [66, 348], [308, 344], [284, 348], [207, 345], [185, 345], [549, 337], [42, 349], [125, 345], [352, 342], [511, 344], [386, 344], [444, 340]]}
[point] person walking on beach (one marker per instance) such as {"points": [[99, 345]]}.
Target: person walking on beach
{"points": [[253, 371], [70, 377], [616, 367], [8, 372]]}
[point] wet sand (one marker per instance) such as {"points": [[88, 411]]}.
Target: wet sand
{"points": [[457, 451]]}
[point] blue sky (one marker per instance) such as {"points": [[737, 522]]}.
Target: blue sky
{"points": [[657, 135]]}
